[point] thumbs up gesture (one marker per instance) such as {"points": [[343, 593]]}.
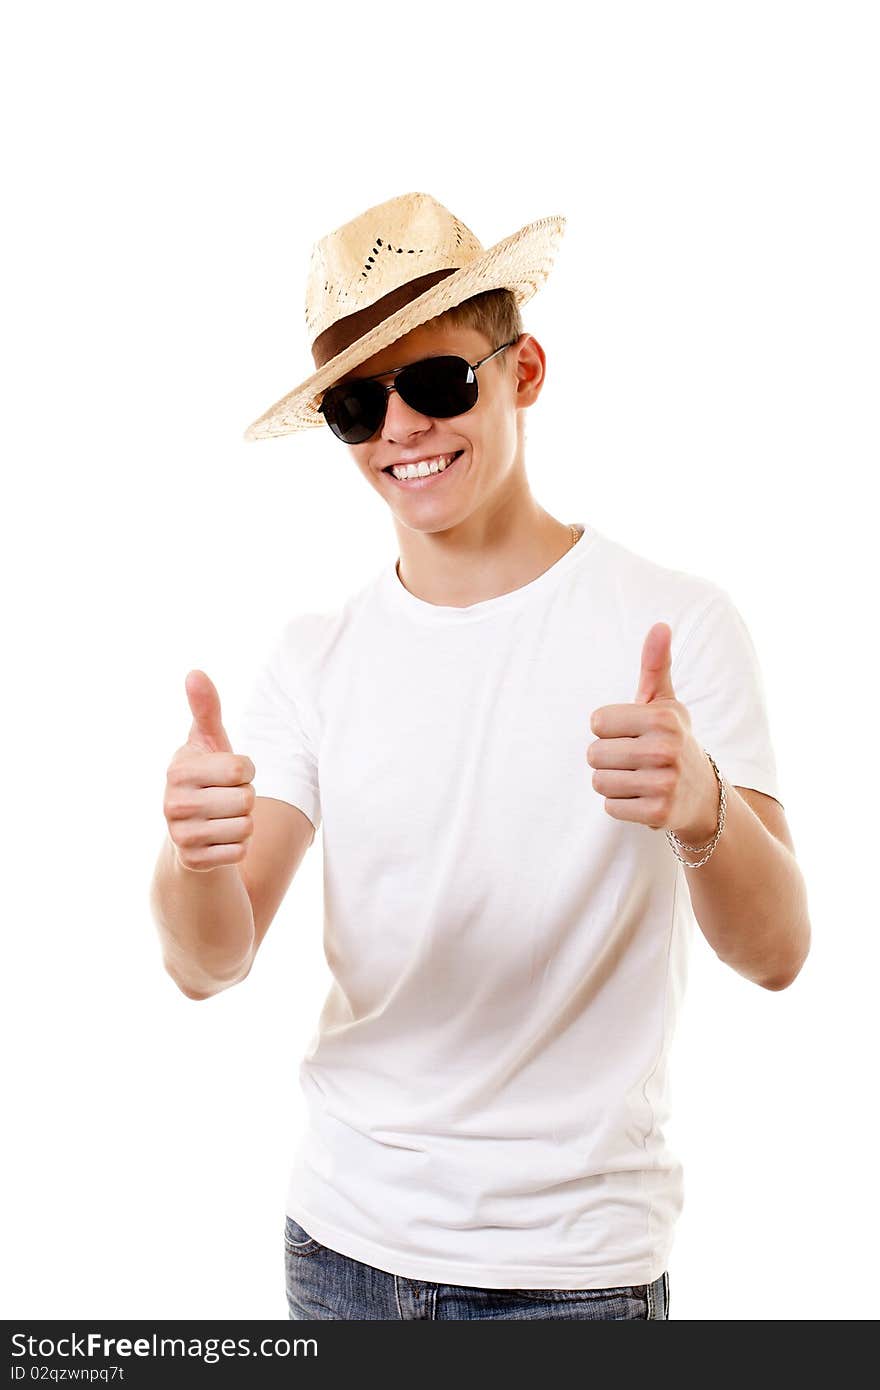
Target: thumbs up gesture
{"points": [[649, 766], [208, 792]]}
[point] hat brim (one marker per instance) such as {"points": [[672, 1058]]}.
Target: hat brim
{"points": [[520, 263]]}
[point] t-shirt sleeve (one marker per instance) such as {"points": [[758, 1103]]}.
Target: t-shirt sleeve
{"points": [[274, 732], [717, 676]]}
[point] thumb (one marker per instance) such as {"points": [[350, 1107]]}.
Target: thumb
{"points": [[655, 677], [204, 702]]}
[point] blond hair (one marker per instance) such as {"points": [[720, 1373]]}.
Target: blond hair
{"points": [[494, 313]]}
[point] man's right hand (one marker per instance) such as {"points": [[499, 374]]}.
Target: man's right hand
{"points": [[208, 791]]}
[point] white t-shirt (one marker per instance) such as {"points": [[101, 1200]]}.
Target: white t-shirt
{"points": [[487, 1083]]}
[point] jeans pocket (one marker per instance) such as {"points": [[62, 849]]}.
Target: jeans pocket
{"points": [[613, 1303], [297, 1240]]}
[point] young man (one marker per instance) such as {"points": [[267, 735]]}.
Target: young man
{"points": [[492, 731]]}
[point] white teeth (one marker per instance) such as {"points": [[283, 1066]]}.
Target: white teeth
{"points": [[422, 469]]}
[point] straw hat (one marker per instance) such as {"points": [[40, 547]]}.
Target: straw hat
{"points": [[392, 268]]}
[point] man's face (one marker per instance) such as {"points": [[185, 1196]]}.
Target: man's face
{"points": [[485, 437]]}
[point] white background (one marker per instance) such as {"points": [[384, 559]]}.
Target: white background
{"points": [[710, 328]]}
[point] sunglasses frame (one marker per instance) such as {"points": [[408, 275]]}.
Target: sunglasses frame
{"points": [[395, 372]]}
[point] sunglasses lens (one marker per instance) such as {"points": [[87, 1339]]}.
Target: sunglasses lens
{"points": [[354, 410], [439, 386]]}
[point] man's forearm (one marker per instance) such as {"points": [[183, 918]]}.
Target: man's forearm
{"points": [[750, 898], [205, 921]]}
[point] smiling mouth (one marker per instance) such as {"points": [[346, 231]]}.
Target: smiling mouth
{"points": [[424, 478]]}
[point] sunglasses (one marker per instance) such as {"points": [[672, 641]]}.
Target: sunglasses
{"points": [[438, 386]]}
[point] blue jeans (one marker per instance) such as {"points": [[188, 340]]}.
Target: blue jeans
{"points": [[322, 1284]]}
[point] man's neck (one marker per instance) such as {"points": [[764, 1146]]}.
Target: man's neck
{"points": [[441, 569]]}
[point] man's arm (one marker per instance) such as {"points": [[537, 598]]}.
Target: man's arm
{"points": [[212, 922], [205, 923], [749, 897]]}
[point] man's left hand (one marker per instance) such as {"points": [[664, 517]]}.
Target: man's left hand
{"points": [[649, 767]]}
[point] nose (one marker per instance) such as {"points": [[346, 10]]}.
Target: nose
{"points": [[401, 420]]}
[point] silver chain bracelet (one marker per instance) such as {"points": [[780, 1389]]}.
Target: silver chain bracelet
{"points": [[676, 844]]}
